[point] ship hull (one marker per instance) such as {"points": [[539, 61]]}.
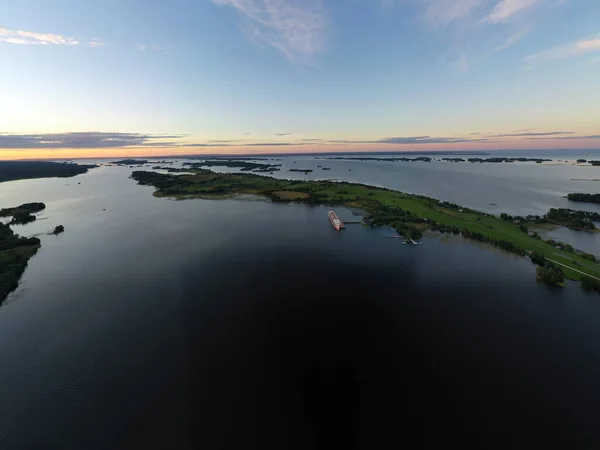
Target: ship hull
{"points": [[335, 221]]}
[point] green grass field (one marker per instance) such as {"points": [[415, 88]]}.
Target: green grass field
{"points": [[214, 185]]}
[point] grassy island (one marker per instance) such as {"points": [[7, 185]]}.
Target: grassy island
{"points": [[20, 170], [409, 214]]}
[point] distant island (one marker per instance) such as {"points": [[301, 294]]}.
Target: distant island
{"points": [[15, 252], [20, 170], [58, 229], [375, 158], [241, 164], [585, 198], [129, 162], [305, 171], [409, 214], [430, 159], [22, 214]]}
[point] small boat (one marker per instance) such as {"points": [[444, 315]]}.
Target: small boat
{"points": [[335, 221]]}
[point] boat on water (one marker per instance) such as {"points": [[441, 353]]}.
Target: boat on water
{"points": [[335, 221]]}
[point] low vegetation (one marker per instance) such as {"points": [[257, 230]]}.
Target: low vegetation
{"points": [[243, 165], [570, 218], [15, 251], [409, 214], [21, 170], [549, 274], [22, 214], [590, 283], [587, 198], [507, 160], [129, 162], [455, 160], [289, 195], [375, 158]]}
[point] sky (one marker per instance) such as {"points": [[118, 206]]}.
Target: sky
{"points": [[160, 77]]}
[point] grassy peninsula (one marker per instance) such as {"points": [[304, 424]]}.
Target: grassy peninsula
{"points": [[20, 170], [409, 214], [15, 252]]}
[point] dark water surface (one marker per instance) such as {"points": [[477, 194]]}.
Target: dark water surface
{"points": [[243, 324]]}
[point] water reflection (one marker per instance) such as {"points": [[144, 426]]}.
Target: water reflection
{"points": [[166, 324]]}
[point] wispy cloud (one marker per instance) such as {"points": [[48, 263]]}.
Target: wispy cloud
{"points": [[462, 65], [142, 47], [252, 144], [564, 51], [294, 27], [547, 133], [593, 136], [443, 12], [269, 144], [33, 38], [505, 9], [512, 40], [282, 134], [412, 140], [427, 140], [84, 140], [476, 29]]}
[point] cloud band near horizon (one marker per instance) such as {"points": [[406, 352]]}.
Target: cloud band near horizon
{"points": [[100, 140]]}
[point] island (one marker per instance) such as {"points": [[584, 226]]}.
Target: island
{"points": [[129, 162], [430, 159], [241, 164], [409, 214], [22, 214], [375, 158], [585, 198], [20, 170], [58, 229], [15, 252], [305, 171], [507, 160]]}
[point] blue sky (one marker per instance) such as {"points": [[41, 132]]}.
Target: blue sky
{"points": [[136, 77]]}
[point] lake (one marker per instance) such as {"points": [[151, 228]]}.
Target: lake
{"points": [[154, 323]]}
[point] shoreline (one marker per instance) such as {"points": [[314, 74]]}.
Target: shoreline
{"points": [[409, 214]]}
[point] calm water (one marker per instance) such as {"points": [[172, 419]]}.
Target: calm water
{"points": [[153, 323]]}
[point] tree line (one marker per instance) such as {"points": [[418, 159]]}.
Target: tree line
{"points": [[582, 197]]}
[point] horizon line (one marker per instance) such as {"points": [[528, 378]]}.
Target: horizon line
{"points": [[357, 152]]}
